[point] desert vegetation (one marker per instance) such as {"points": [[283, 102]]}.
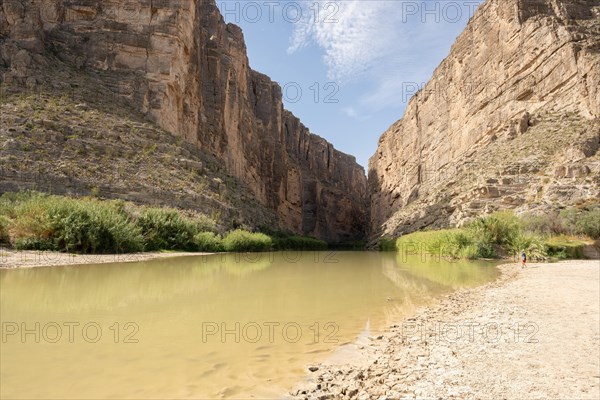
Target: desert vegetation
{"points": [[560, 235], [37, 221]]}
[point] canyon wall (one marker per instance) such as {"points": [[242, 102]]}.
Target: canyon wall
{"points": [[187, 70], [509, 120]]}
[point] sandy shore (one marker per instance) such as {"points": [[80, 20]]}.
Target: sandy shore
{"points": [[30, 259], [533, 334]]}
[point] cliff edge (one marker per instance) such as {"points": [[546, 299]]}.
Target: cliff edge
{"points": [[509, 120], [180, 66]]}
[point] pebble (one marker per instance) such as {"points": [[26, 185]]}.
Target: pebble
{"points": [[405, 368]]}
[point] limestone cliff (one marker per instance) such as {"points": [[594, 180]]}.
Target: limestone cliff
{"points": [[185, 69], [510, 119]]}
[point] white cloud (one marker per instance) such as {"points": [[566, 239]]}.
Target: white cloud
{"points": [[381, 43], [354, 34], [350, 112]]}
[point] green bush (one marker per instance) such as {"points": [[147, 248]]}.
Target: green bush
{"points": [[243, 241], [585, 221], [457, 244], [503, 234], [28, 226], [209, 241], [349, 245], [166, 229], [564, 247], [4, 238], [42, 222], [447, 243], [36, 221], [546, 224], [442, 242], [496, 229], [387, 244], [205, 224], [486, 237], [96, 227], [92, 226], [470, 251], [493, 232], [298, 243], [532, 243]]}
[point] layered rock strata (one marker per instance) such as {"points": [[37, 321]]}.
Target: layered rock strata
{"points": [[185, 69], [509, 120]]}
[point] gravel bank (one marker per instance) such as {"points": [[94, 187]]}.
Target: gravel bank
{"points": [[30, 259], [533, 334]]}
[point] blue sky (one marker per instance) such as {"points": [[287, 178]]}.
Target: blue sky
{"points": [[348, 67]]}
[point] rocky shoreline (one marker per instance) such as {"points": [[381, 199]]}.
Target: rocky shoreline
{"points": [[10, 259], [533, 333]]}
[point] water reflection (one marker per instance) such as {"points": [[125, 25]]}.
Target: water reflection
{"points": [[193, 327]]}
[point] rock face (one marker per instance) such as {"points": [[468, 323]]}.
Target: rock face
{"points": [[185, 69], [510, 119]]}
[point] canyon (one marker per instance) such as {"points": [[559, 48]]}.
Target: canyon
{"points": [[154, 102], [509, 120], [180, 66]]}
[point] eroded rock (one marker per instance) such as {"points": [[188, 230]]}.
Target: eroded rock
{"points": [[187, 70]]}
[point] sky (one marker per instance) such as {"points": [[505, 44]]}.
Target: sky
{"points": [[348, 67]]}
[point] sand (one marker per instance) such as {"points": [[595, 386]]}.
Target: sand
{"points": [[554, 353], [30, 259]]}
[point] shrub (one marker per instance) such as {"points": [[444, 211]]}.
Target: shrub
{"points": [[583, 222], [286, 240], [563, 247], [205, 224], [439, 242], [298, 243], [244, 241], [503, 233], [546, 224], [483, 249], [387, 244], [457, 244], [590, 226], [499, 228], [470, 251], [588, 222], [91, 226], [209, 241], [448, 243], [36, 221], [30, 227], [532, 243], [42, 222], [4, 238], [166, 229], [348, 245], [493, 232]]}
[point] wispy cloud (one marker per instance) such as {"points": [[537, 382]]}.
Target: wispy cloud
{"points": [[354, 34], [350, 112], [378, 42]]}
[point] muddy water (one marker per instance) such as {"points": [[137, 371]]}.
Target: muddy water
{"points": [[203, 327]]}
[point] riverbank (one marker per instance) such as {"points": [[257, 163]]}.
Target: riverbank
{"points": [[89, 225], [533, 333], [571, 234], [30, 259]]}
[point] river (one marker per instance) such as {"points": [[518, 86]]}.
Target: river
{"points": [[217, 326]]}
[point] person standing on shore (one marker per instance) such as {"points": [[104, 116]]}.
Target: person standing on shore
{"points": [[523, 259]]}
